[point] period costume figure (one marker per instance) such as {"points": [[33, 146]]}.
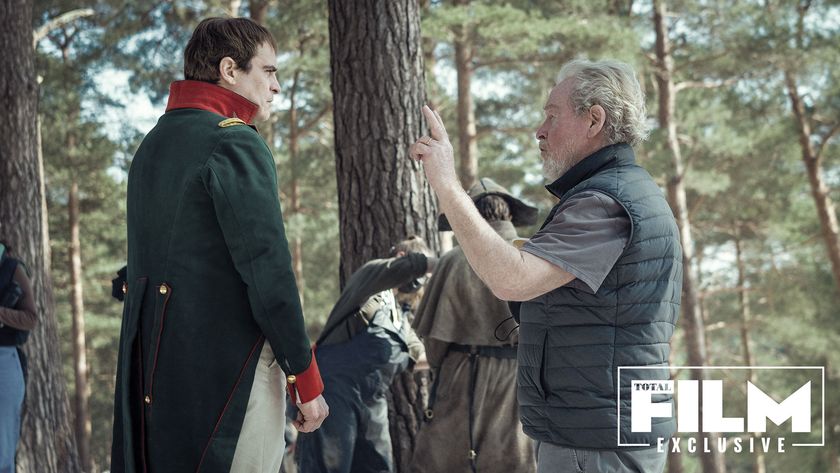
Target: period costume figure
{"points": [[366, 342], [212, 327], [472, 421]]}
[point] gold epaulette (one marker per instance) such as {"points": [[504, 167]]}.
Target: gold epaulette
{"points": [[231, 122]]}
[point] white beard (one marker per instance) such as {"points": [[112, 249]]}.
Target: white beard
{"points": [[554, 166]]}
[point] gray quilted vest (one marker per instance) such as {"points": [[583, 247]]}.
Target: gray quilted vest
{"points": [[571, 342]]}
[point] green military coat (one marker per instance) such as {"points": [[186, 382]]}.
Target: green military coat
{"points": [[209, 280]]}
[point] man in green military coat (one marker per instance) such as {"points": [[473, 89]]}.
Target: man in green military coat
{"points": [[212, 327]]}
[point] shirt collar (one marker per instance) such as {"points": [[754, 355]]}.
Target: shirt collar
{"points": [[212, 98], [617, 154]]}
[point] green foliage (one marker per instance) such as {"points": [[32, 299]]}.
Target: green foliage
{"points": [[306, 112], [517, 50], [745, 178]]}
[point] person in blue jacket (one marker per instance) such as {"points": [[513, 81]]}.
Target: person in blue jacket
{"points": [[366, 342]]}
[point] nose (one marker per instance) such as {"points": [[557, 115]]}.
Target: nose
{"points": [[541, 132], [275, 86]]}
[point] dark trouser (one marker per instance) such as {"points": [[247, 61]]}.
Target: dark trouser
{"points": [[354, 437], [556, 459]]}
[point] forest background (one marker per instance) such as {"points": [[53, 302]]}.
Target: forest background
{"points": [[743, 99]]}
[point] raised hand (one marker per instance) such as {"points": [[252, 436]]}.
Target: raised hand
{"points": [[435, 153]]}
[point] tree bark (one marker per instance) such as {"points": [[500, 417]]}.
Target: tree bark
{"points": [[816, 179], [82, 395], [433, 95], [47, 442], [692, 321], [378, 91], [467, 142], [408, 396]]}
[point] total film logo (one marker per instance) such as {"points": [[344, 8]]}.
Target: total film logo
{"points": [[741, 422]]}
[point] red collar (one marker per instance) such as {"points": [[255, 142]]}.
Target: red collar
{"points": [[210, 97]]}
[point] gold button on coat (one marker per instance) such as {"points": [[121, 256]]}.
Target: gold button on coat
{"points": [[125, 287], [147, 399], [291, 379], [163, 289]]}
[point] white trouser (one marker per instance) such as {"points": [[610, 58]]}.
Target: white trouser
{"points": [[261, 443]]}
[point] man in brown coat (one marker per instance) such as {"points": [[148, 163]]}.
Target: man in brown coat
{"points": [[472, 419]]}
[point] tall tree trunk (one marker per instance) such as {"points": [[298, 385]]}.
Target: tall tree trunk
{"points": [[294, 186], [467, 142], [377, 84], [433, 96], [47, 442], [233, 7], [745, 323], [258, 10], [816, 179], [701, 301], [42, 185], [692, 321], [674, 458], [744, 303], [832, 456], [378, 91], [80, 371], [433, 93], [82, 423]]}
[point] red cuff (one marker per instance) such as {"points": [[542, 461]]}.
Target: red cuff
{"points": [[306, 385]]}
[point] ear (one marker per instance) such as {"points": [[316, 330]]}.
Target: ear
{"points": [[597, 119], [227, 71]]}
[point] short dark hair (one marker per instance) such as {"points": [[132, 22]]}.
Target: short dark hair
{"points": [[216, 38], [494, 208]]}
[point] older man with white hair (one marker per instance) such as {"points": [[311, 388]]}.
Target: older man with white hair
{"points": [[598, 286]]}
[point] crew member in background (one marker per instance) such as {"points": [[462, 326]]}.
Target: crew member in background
{"points": [[472, 421], [366, 342]]}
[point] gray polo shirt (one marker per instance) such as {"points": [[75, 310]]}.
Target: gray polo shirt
{"points": [[585, 238]]}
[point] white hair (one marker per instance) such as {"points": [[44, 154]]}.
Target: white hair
{"points": [[612, 85]]}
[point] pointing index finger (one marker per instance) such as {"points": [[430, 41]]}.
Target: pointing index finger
{"points": [[436, 128]]}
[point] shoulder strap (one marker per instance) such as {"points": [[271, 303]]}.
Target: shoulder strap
{"points": [[367, 310]]}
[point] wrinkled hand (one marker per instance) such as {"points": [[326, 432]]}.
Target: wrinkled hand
{"points": [[435, 152], [311, 414]]}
